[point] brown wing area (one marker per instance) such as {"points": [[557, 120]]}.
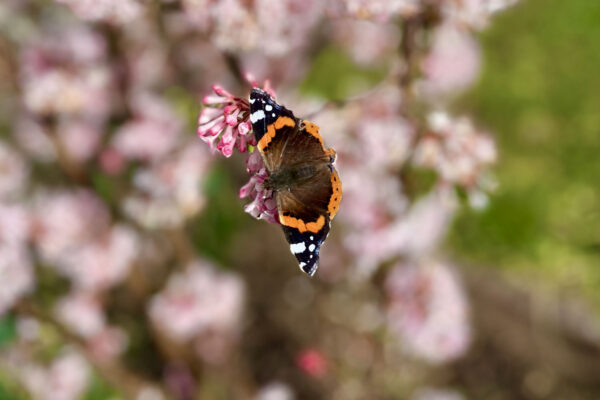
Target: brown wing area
{"points": [[306, 206], [306, 145], [274, 142], [289, 142]]}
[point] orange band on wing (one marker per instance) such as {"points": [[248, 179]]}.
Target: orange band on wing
{"points": [[336, 197], [272, 131], [302, 226], [313, 129], [283, 121]]}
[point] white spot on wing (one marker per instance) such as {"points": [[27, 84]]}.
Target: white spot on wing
{"points": [[273, 115], [311, 248], [252, 101], [297, 247], [312, 238], [256, 116], [268, 107]]}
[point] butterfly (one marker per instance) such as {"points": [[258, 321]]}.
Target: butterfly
{"points": [[301, 175]]}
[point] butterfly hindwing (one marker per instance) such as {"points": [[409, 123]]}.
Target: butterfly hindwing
{"points": [[306, 245], [305, 218]]}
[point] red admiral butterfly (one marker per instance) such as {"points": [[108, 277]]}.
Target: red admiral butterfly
{"points": [[301, 174]]}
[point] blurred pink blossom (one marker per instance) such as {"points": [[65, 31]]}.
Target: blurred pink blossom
{"points": [[367, 42], [457, 151], [261, 25], [63, 220], [380, 10], [115, 11], [474, 13], [196, 301], [312, 362], [387, 142], [170, 191], [452, 64], [14, 224], [66, 378], [112, 161], [34, 140], [235, 27], [108, 343], [82, 313], [414, 234], [80, 138], [152, 133], [14, 173], [371, 199], [428, 310], [275, 391], [16, 275], [73, 234], [64, 71], [103, 262], [277, 36]]}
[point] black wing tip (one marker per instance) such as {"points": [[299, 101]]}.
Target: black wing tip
{"points": [[259, 93], [310, 269]]}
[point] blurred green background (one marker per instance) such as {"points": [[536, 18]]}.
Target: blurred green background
{"points": [[539, 94]]}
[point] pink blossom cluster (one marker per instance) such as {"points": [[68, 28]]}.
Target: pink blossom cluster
{"points": [[452, 64], [202, 307], [225, 118], [473, 13], [66, 378], [263, 204], [74, 235], [65, 72], [113, 11], [261, 25], [168, 192], [428, 310], [459, 153], [153, 131], [15, 263]]}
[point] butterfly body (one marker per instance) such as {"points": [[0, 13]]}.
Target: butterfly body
{"points": [[302, 176]]}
